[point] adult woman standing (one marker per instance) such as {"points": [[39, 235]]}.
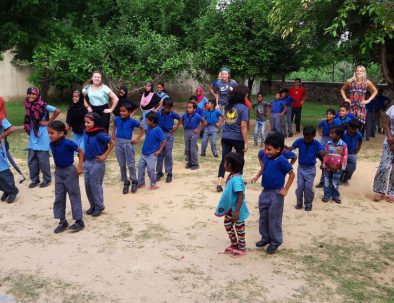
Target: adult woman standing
{"points": [[235, 132], [149, 101], [384, 179], [99, 95], [357, 86]]}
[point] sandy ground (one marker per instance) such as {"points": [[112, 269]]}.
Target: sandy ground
{"points": [[165, 245]]}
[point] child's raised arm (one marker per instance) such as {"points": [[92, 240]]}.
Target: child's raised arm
{"points": [[142, 132], [290, 180]]}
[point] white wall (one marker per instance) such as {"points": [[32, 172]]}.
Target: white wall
{"points": [[13, 78]]}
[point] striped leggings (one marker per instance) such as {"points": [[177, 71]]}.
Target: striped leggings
{"points": [[239, 231]]}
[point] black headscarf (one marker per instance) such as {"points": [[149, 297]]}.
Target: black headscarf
{"points": [[76, 114], [123, 100]]}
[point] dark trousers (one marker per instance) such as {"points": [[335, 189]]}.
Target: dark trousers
{"points": [[227, 147], [7, 182], [106, 117], [271, 214], [38, 160], [296, 117], [371, 124]]}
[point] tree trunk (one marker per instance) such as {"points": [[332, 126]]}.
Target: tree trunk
{"points": [[44, 87], [387, 65], [250, 84]]}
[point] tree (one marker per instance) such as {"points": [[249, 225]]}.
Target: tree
{"points": [[364, 28]]}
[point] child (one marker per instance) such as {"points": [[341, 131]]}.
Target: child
{"points": [[353, 139], [324, 132], [166, 122], [309, 148], [66, 177], [274, 168], [96, 152], [7, 182], [198, 110], [36, 125], [344, 117], [232, 205], [76, 118], [154, 143], [213, 118], [288, 154], [261, 115], [124, 148], [288, 101], [334, 163], [202, 101], [278, 111], [161, 91], [192, 124]]}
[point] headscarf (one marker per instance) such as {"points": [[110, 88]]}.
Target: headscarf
{"points": [[98, 122], [123, 100], [35, 111], [150, 99], [3, 111], [201, 96], [76, 114]]}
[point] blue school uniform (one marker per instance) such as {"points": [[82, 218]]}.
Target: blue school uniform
{"points": [[341, 122], [212, 117], [352, 141], [277, 106], [326, 127], [166, 121], [63, 152], [95, 145], [41, 141], [202, 103], [191, 122], [153, 138], [5, 124], [275, 171], [124, 128], [163, 95], [307, 152], [288, 100], [288, 154]]}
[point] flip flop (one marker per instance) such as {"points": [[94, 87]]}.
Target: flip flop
{"points": [[229, 250], [236, 253], [390, 199], [379, 197]]}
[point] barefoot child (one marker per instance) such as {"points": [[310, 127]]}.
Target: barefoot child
{"points": [[308, 149], [98, 146], [124, 148], [334, 163], [274, 168], [213, 118], [166, 123], [232, 205], [36, 125], [7, 182], [66, 177], [192, 125], [76, 118], [155, 140]]}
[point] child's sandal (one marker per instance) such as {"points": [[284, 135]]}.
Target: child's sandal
{"points": [[236, 253], [378, 197], [229, 249], [390, 199]]}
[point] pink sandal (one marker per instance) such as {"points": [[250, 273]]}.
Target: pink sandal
{"points": [[379, 197], [229, 249], [236, 253], [390, 199]]}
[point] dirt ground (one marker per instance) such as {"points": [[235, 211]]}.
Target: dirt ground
{"points": [[165, 245]]}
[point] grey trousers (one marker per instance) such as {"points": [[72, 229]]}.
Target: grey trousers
{"points": [[147, 162], [67, 182], [7, 182], [278, 123], [384, 178], [209, 131], [271, 213], [350, 167], [94, 175], [125, 154], [38, 160], [166, 155], [191, 147], [305, 192]]}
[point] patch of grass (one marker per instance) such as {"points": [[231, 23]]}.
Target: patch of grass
{"points": [[153, 231]]}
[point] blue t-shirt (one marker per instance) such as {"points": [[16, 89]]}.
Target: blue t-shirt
{"points": [[202, 103], [153, 138], [277, 106], [166, 121], [233, 118], [95, 145], [288, 100], [41, 141], [5, 124], [288, 154], [162, 95], [191, 122], [342, 122], [229, 198], [124, 128], [352, 141], [212, 117], [326, 127], [307, 152], [274, 172], [63, 152]]}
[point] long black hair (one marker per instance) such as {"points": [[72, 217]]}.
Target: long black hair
{"points": [[237, 95]]}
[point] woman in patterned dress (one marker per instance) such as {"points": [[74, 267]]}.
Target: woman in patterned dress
{"points": [[357, 86]]}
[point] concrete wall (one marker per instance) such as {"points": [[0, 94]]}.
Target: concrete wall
{"points": [[319, 91], [13, 78]]}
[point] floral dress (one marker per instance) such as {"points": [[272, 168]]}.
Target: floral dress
{"points": [[357, 95]]}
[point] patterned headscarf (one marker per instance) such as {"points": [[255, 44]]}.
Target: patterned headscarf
{"points": [[35, 111]]}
